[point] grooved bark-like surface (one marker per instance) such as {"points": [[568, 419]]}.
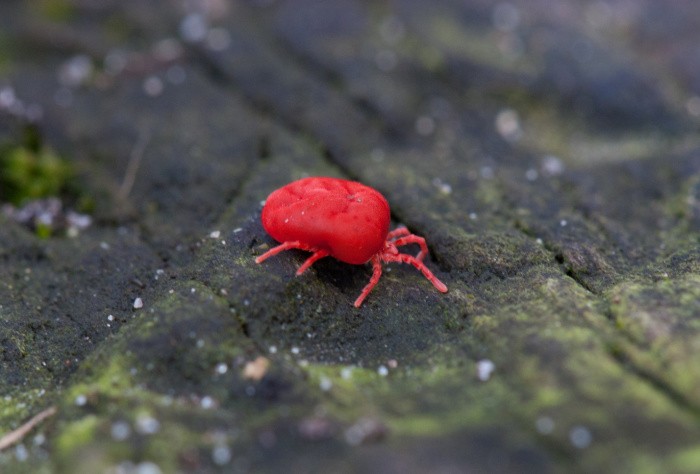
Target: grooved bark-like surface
{"points": [[547, 151]]}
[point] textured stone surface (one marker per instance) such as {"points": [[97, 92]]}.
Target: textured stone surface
{"points": [[549, 154]]}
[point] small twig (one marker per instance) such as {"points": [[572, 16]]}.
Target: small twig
{"points": [[132, 167], [16, 436]]}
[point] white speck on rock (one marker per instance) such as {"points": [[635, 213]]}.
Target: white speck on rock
{"points": [[442, 186], [147, 467], [552, 166], [194, 28], [120, 430], [346, 373], [21, 452], [146, 424], [207, 402], [484, 369], [365, 430], [580, 437], [325, 384], [76, 71], [508, 125], [221, 454], [544, 425], [153, 86], [692, 105]]}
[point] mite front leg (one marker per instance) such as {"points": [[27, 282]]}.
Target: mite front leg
{"points": [[376, 274], [295, 244], [318, 254], [414, 239]]}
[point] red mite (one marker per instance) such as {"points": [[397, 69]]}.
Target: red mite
{"points": [[344, 219]]}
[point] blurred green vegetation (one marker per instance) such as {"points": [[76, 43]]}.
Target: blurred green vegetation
{"points": [[54, 10], [31, 170]]}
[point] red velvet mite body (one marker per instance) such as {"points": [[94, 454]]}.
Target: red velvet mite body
{"points": [[342, 219]]}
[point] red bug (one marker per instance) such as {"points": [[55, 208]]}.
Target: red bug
{"points": [[344, 219]]}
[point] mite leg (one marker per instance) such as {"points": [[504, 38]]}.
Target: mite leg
{"points": [[398, 232], [404, 258], [318, 254], [285, 246], [414, 239], [376, 274]]}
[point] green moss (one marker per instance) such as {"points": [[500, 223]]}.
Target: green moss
{"points": [[55, 10], [32, 171], [18, 406], [77, 434], [408, 400], [114, 393], [660, 319], [687, 460], [110, 381], [350, 386]]}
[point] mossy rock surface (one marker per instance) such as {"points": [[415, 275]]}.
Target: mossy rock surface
{"points": [[549, 156]]}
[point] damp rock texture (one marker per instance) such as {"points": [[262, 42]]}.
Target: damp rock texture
{"points": [[548, 151]]}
